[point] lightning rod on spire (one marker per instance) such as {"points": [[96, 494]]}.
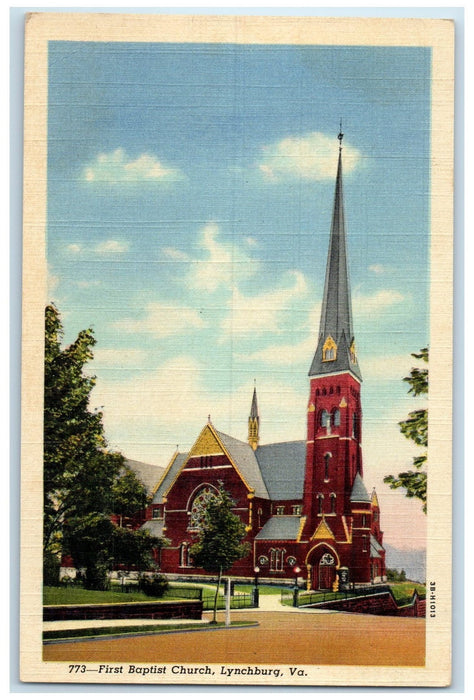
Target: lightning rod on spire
{"points": [[340, 136]]}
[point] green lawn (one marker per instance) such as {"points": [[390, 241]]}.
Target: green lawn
{"points": [[61, 595], [403, 592]]}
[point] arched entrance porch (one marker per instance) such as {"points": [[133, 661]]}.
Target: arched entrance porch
{"points": [[322, 563]]}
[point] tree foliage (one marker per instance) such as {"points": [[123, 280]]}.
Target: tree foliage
{"points": [[415, 428], [220, 541], [84, 482]]}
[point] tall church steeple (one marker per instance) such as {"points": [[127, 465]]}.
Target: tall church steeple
{"points": [[254, 422], [335, 351]]}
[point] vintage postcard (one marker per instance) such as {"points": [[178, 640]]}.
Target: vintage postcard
{"points": [[237, 322]]}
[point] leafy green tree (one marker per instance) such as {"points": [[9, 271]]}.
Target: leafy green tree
{"points": [[78, 471], [129, 494], [220, 541], [84, 483], [415, 428], [134, 548]]}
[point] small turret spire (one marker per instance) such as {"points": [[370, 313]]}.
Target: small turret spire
{"points": [[254, 421]]}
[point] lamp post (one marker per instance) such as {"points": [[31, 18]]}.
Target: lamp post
{"points": [[296, 571], [255, 587]]}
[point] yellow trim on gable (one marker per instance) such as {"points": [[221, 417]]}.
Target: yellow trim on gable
{"points": [[346, 530], [300, 531], [160, 481], [323, 531]]}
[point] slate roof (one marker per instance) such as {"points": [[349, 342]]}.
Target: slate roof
{"points": [[149, 474], [281, 527], [154, 527], [169, 476], [282, 465], [359, 492], [244, 457], [274, 471], [375, 548]]}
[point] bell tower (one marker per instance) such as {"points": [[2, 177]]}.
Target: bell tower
{"points": [[333, 451]]}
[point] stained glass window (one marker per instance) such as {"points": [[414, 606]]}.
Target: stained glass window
{"points": [[198, 506]]}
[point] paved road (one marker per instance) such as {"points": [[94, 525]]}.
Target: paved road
{"points": [[288, 637]]}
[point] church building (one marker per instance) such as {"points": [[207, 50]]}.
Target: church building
{"points": [[306, 509]]}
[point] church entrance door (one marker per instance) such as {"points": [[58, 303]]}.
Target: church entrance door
{"points": [[327, 572]]}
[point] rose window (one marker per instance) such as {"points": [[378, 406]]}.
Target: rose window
{"points": [[198, 507]]}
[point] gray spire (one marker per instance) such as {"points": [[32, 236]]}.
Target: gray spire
{"points": [[335, 351], [254, 407]]}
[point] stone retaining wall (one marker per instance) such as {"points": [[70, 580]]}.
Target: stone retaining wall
{"points": [[186, 609], [377, 604]]}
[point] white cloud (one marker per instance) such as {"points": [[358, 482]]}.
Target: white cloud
{"points": [[377, 269], [223, 265], [162, 320], [251, 242], [311, 157], [74, 248], [116, 167], [146, 416], [387, 367], [262, 312], [111, 246], [118, 358], [175, 254], [376, 303]]}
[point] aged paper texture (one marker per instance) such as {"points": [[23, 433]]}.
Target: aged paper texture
{"points": [[224, 216]]}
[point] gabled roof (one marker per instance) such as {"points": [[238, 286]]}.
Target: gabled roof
{"points": [[281, 527], [282, 466], [149, 474], [359, 492], [375, 548], [274, 471], [154, 527], [170, 474], [323, 531], [243, 457]]}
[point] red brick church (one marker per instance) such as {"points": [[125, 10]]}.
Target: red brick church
{"points": [[304, 503]]}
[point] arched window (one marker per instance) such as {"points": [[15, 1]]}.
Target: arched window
{"points": [[184, 554], [320, 503], [276, 557], [336, 418], [324, 418], [327, 457], [197, 510], [355, 426], [333, 502]]}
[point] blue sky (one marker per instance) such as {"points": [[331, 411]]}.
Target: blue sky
{"points": [[190, 190]]}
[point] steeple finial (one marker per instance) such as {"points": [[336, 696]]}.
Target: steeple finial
{"points": [[340, 136]]}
